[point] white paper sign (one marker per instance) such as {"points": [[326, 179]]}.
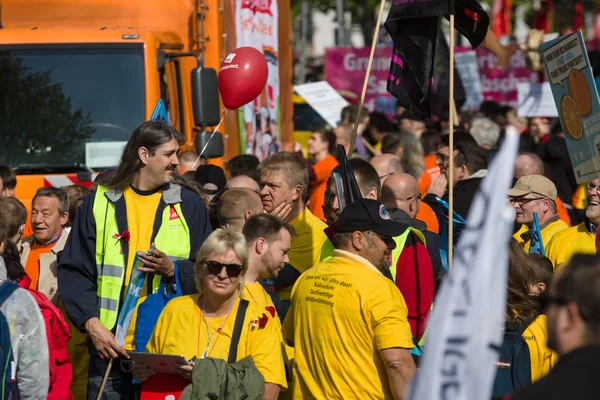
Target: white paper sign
{"points": [[535, 100], [468, 70], [324, 100], [103, 154]]}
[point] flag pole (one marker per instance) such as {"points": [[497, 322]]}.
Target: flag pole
{"points": [[451, 113], [366, 82]]}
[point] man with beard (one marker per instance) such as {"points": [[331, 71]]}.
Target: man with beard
{"points": [[348, 322], [470, 167], [580, 238], [572, 307], [269, 241], [133, 208]]}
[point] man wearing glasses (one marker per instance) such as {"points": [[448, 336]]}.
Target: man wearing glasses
{"points": [[535, 194], [572, 307], [580, 238], [470, 167], [348, 322]]}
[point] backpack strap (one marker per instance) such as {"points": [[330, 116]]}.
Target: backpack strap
{"points": [[237, 330], [6, 290]]}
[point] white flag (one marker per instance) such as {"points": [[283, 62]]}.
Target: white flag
{"points": [[465, 329]]}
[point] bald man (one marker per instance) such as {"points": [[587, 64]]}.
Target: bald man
{"points": [[386, 165], [242, 182], [528, 164], [237, 205], [418, 266]]}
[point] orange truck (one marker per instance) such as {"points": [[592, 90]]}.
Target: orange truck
{"points": [[78, 76]]}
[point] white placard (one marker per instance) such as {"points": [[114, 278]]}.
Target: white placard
{"points": [[103, 154], [324, 100], [468, 70], [535, 100]]}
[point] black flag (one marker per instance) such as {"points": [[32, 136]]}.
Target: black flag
{"points": [[413, 27], [349, 182], [471, 20]]}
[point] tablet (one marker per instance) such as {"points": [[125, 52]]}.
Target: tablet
{"points": [[164, 363]]}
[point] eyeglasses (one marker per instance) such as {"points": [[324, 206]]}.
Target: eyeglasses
{"points": [[522, 201], [417, 197], [545, 300], [442, 158], [215, 268]]}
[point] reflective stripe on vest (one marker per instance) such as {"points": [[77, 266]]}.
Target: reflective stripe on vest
{"points": [[173, 238], [400, 241]]}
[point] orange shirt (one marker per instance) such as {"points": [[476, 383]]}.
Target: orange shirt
{"points": [[430, 172], [427, 215], [32, 267], [322, 170], [562, 211]]}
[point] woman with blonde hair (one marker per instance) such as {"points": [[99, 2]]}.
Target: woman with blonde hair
{"points": [[202, 325]]}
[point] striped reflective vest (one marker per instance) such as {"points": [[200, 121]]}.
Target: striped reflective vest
{"points": [[173, 238]]}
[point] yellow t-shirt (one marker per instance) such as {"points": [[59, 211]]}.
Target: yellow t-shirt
{"points": [[542, 358], [344, 312], [256, 294], [547, 232], [181, 330], [141, 211], [305, 250], [568, 242]]}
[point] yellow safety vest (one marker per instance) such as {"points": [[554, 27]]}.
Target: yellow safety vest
{"points": [[400, 241], [173, 239]]}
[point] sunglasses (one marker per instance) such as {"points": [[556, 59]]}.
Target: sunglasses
{"points": [[545, 300], [215, 268]]}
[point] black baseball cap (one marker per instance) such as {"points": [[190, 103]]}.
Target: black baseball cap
{"points": [[367, 215], [211, 174]]}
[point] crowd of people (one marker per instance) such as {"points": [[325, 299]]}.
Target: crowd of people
{"points": [[270, 286]]}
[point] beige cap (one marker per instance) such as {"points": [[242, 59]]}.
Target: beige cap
{"points": [[537, 184]]}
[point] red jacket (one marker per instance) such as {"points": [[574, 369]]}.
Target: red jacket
{"points": [[414, 278], [57, 332]]}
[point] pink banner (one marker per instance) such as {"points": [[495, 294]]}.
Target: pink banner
{"points": [[497, 84], [345, 70]]}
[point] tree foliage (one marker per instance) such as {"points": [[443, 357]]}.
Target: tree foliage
{"points": [[364, 12], [37, 123]]}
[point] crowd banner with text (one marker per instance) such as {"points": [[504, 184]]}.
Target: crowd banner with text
{"points": [[345, 69], [570, 76], [256, 23]]}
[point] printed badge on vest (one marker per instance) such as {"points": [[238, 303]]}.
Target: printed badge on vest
{"points": [[173, 214]]}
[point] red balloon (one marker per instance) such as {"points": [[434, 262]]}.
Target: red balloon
{"points": [[242, 77]]}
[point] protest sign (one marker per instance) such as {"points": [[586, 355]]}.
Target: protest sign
{"points": [[568, 70], [535, 100], [345, 69], [468, 69], [497, 84], [324, 100]]}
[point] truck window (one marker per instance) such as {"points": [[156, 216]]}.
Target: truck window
{"points": [[57, 99]]}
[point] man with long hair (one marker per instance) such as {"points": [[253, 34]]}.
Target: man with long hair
{"points": [[133, 208]]}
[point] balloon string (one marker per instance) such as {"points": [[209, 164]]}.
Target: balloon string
{"points": [[209, 139]]}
